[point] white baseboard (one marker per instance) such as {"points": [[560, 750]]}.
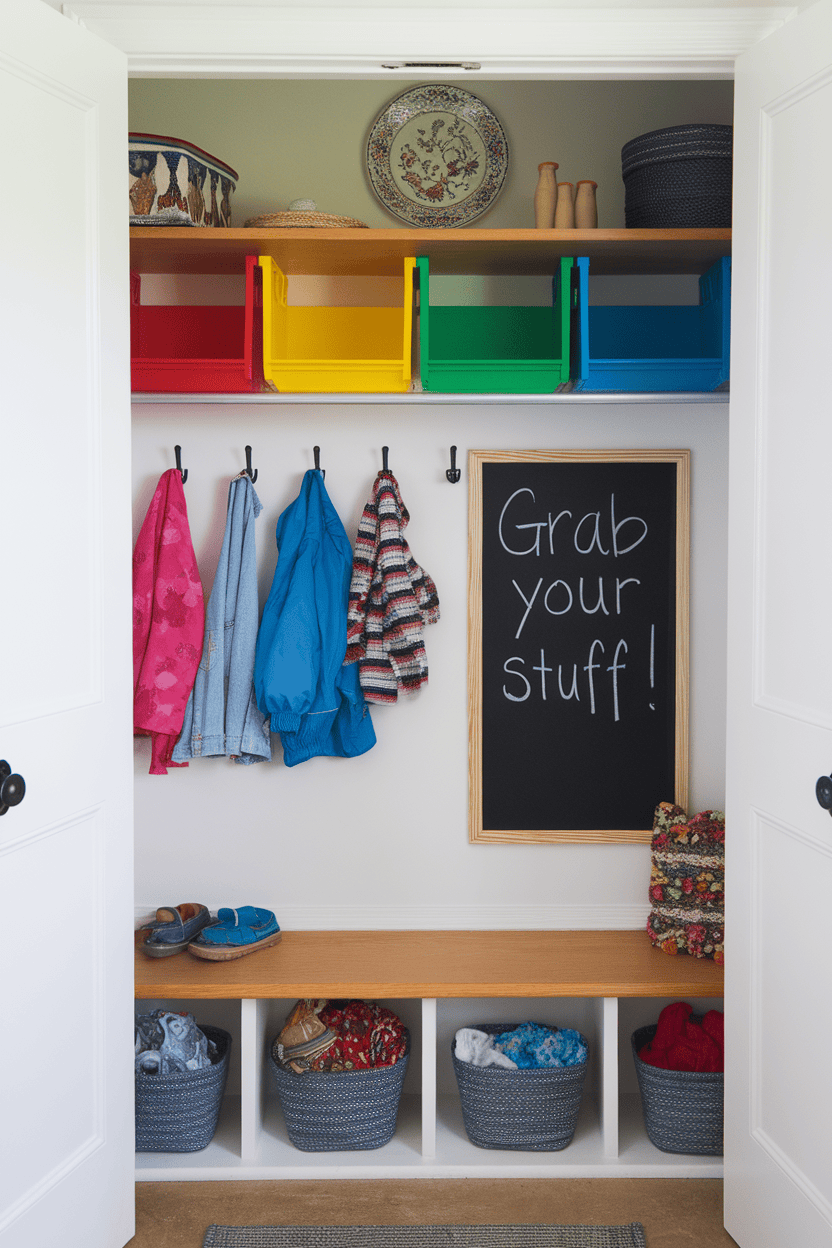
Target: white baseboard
{"points": [[450, 918]]}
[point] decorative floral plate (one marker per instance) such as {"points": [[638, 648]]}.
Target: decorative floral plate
{"points": [[437, 156]]}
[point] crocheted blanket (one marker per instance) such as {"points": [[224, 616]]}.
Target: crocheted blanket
{"points": [[687, 882]]}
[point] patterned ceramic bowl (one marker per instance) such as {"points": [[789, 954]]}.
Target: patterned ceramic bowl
{"points": [[175, 183]]}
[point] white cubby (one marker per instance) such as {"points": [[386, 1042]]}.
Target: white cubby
{"points": [[430, 1140]]}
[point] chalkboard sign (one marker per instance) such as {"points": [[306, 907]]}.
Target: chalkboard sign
{"points": [[578, 642]]}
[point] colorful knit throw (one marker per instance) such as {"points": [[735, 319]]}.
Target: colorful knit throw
{"points": [[687, 882], [391, 600]]}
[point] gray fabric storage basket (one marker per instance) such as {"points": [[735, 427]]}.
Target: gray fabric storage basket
{"points": [[345, 1110], [529, 1110], [679, 178], [178, 1113], [683, 1110]]}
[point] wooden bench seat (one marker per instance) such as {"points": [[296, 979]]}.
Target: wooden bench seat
{"points": [[437, 964]]}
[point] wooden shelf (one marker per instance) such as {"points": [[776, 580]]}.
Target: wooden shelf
{"points": [[451, 251], [437, 964]]}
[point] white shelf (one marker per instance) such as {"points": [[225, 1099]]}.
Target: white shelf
{"points": [[220, 1160], [582, 1158], [401, 1157], [421, 399], [277, 1158], [637, 1156], [456, 1156]]}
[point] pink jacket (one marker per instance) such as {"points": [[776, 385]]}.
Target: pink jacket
{"points": [[168, 621]]}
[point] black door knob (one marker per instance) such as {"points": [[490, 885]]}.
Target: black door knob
{"points": [[823, 792], [12, 787]]}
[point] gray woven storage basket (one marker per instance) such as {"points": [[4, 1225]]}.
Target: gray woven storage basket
{"points": [[530, 1110], [679, 178], [178, 1113], [683, 1110], [345, 1110]]}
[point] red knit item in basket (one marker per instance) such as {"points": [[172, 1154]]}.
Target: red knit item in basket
{"points": [[681, 1043]]}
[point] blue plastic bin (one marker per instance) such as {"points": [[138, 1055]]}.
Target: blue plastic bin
{"points": [[649, 349]]}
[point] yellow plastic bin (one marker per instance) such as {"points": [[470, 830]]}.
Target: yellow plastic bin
{"points": [[335, 349]]}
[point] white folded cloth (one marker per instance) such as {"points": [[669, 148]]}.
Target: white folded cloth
{"points": [[477, 1047]]}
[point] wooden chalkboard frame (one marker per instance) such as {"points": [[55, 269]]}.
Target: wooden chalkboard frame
{"points": [[476, 460]]}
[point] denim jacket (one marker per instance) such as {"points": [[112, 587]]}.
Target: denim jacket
{"points": [[315, 703], [222, 716]]}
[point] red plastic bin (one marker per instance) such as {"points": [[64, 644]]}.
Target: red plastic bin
{"points": [[198, 350]]}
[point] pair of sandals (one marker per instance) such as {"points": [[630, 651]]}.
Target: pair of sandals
{"points": [[232, 934]]}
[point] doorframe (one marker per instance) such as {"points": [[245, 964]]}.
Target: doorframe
{"points": [[366, 42]]}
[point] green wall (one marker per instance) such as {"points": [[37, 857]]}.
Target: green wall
{"points": [[293, 138]]}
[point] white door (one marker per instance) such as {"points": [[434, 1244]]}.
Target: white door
{"points": [[66, 903], [778, 1187]]}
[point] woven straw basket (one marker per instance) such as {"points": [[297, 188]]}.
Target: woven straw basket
{"points": [[303, 220], [530, 1110], [683, 1110], [178, 1113], [347, 1110]]}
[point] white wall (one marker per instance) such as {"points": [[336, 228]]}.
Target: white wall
{"points": [[381, 841]]}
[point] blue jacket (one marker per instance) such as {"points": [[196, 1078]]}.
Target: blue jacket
{"points": [[315, 703], [222, 716]]}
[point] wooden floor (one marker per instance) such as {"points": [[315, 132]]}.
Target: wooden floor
{"points": [[675, 1213]]}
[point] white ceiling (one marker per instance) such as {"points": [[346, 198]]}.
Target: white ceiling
{"points": [[156, 8], [336, 38]]}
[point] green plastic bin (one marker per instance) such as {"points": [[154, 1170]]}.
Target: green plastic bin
{"points": [[495, 350]]}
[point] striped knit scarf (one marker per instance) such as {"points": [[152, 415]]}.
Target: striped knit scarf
{"points": [[391, 599]]}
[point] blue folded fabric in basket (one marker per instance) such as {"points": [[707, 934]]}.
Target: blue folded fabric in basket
{"points": [[532, 1046]]}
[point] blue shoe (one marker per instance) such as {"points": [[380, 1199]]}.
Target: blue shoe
{"points": [[236, 933], [175, 928]]}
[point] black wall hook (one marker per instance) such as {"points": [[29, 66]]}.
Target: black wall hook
{"points": [[184, 471], [251, 475], [453, 472], [317, 453], [385, 450]]}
